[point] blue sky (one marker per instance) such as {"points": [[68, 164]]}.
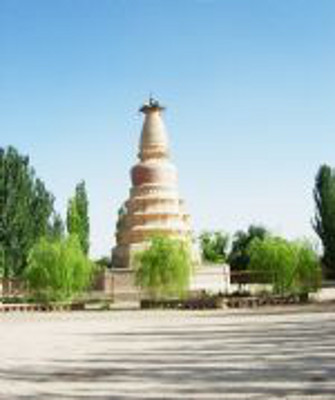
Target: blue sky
{"points": [[249, 86]]}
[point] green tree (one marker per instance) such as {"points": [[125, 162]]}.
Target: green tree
{"points": [[73, 223], [77, 216], [25, 210], [164, 268], [292, 267], [308, 270], [104, 262], [2, 261], [122, 212], [214, 246], [238, 258], [57, 230], [324, 220], [57, 270]]}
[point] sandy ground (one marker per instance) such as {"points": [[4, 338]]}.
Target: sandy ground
{"points": [[266, 355]]}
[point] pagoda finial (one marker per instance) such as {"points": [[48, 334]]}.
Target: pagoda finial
{"points": [[151, 105]]}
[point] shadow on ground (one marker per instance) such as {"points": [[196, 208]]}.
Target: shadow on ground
{"points": [[268, 358]]}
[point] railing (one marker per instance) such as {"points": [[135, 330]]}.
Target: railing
{"points": [[250, 277], [12, 287]]}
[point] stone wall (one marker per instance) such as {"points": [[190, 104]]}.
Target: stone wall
{"points": [[119, 284], [123, 285], [214, 278]]}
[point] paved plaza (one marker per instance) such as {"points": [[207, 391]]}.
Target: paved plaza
{"points": [[266, 355]]}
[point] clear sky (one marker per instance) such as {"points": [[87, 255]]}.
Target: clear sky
{"points": [[249, 86]]}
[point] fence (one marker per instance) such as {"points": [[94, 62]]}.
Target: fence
{"points": [[11, 288], [250, 277]]}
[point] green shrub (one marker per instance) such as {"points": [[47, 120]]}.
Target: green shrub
{"points": [[163, 270], [214, 246], [293, 267], [57, 270]]}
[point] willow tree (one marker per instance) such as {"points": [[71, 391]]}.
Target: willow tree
{"points": [[163, 270], [57, 269], [292, 267]]}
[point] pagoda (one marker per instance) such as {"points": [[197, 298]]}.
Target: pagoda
{"points": [[154, 206]]}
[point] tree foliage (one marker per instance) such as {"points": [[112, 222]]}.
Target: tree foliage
{"points": [[239, 258], [164, 268], [104, 262], [73, 222], [25, 210], [122, 212], [324, 220], [292, 267], [2, 260], [77, 216], [214, 246], [57, 230], [57, 270]]}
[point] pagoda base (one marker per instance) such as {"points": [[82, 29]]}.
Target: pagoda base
{"points": [[123, 255]]}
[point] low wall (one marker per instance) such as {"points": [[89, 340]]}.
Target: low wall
{"points": [[118, 285], [211, 278], [214, 278]]}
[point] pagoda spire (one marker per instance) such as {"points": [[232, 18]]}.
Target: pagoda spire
{"points": [[151, 105], [154, 138]]}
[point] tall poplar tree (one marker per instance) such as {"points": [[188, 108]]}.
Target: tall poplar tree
{"points": [[77, 216], [25, 210], [324, 220], [57, 227]]}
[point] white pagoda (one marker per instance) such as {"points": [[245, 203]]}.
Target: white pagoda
{"points": [[154, 206]]}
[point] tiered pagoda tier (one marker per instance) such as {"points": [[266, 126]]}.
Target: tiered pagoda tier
{"points": [[154, 206]]}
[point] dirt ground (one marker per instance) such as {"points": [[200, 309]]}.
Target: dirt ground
{"points": [[268, 354]]}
